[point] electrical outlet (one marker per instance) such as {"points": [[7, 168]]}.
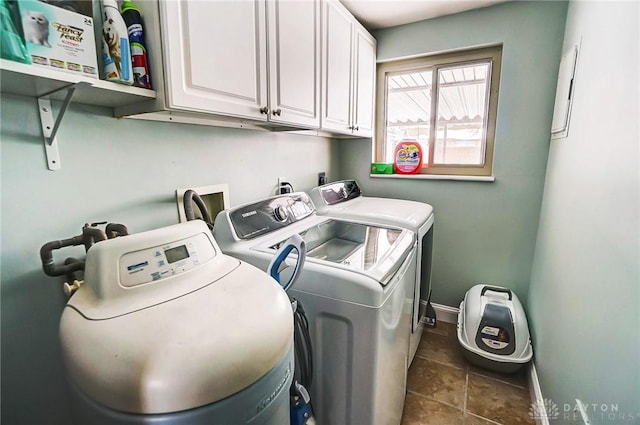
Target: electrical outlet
{"points": [[580, 408], [322, 178], [283, 186]]}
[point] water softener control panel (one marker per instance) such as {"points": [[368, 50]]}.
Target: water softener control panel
{"points": [[163, 261]]}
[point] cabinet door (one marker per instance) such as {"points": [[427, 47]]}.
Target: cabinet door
{"points": [[294, 62], [337, 73], [215, 56], [364, 83]]}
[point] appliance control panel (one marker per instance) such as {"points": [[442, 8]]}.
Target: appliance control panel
{"points": [[163, 261], [341, 191], [259, 218]]}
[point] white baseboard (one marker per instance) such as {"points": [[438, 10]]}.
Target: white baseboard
{"points": [[536, 393], [446, 314]]}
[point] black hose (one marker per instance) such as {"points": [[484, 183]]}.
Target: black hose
{"points": [[303, 348], [190, 197], [91, 235], [79, 264], [46, 256], [114, 230]]}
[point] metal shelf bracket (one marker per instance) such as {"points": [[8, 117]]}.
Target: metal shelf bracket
{"points": [[50, 127]]}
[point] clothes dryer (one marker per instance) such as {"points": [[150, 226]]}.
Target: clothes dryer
{"points": [[354, 287], [344, 199]]}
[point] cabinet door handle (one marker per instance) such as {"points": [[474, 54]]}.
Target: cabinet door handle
{"points": [[356, 128], [277, 112], [264, 110]]}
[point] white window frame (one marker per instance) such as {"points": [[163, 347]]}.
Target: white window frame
{"points": [[492, 54]]}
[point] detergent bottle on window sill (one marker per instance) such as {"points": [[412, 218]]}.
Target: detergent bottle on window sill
{"points": [[407, 158]]}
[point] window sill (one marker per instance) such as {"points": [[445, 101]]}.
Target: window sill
{"points": [[435, 177]]}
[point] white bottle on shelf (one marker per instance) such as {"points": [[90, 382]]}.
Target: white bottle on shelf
{"points": [[116, 54]]}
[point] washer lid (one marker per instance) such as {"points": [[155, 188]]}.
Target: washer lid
{"points": [[183, 353], [388, 211], [374, 251], [393, 212]]}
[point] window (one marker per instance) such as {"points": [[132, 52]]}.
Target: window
{"points": [[447, 103]]}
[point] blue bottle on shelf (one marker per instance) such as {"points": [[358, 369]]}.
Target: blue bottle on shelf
{"points": [[135, 26]]}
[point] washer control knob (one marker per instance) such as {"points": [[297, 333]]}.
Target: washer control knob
{"points": [[280, 213]]}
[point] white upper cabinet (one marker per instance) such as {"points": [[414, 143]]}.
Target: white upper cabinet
{"points": [[349, 60], [336, 66], [364, 83], [258, 60], [215, 56], [297, 64], [294, 62]]}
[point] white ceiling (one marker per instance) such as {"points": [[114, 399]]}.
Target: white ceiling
{"points": [[375, 14]]}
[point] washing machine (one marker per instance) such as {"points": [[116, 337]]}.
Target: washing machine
{"points": [[344, 200], [353, 287], [168, 330]]}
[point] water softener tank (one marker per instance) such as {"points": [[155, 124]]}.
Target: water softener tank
{"points": [[168, 330]]}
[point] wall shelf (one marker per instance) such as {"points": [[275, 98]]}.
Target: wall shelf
{"points": [[47, 84], [34, 81]]}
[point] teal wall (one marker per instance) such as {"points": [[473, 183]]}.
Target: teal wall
{"points": [[484, 232], [584, 299], [584, 293], [122, 171]]}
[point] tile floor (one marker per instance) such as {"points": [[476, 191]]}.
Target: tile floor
{"points": [[444, 389]]}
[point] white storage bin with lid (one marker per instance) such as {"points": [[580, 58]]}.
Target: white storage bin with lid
{"points": [[493, 329]]}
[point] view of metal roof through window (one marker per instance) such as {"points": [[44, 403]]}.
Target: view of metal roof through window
{"points": [[409, 98], [463, 95], [460, 107]]}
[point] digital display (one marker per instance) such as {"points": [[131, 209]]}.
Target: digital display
{"points": [[176, 254]]}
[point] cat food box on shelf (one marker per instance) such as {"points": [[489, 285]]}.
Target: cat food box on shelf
{"points": [[59, 38]]}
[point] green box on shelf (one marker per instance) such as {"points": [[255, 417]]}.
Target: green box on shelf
{"points": [[381, 168]]}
